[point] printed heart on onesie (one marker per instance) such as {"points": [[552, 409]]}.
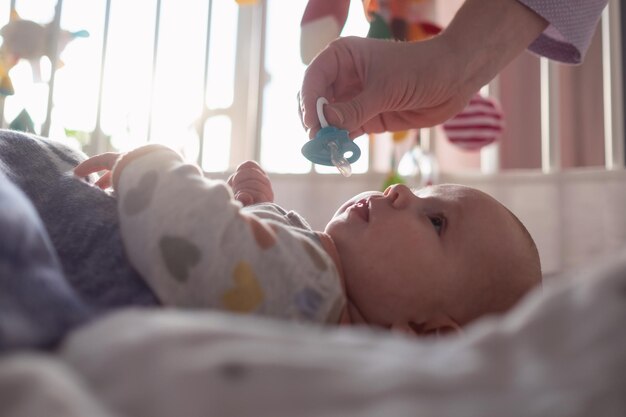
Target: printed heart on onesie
{"points": [[179, 256], [138, 198], [247, 293]]}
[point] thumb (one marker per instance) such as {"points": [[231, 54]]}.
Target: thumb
{"points": [[353, 114]]}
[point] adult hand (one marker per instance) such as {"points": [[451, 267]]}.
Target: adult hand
{"points": [[377, 85], [251, 184]]}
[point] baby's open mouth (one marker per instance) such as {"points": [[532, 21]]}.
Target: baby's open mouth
{"points": [[362, 209]]}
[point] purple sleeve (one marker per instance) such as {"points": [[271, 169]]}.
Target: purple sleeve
{"points": [[572, 25]]}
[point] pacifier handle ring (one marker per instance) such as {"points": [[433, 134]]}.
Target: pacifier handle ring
{"points": [[330, 144], [319, 106]]}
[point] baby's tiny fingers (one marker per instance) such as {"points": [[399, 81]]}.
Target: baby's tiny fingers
{"points": [[104, 181], [96, 163], [244, 198]]}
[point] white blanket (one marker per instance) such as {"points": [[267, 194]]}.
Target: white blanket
{"points": [[561, 352]]}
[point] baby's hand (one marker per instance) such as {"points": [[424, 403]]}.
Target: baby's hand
{"points": [[102, 162], [251, 184]]}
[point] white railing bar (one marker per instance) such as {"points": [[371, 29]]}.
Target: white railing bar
{"points": [[249, 92], [205, 86], [490, 154], [97, 136], [490, 158], [155, 48], [258, 82], [54, 58], [241, 94], [612, 87], [425, 137], [550, 139]]}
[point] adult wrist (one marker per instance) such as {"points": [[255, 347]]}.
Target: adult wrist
{"points": [[485, 35]]}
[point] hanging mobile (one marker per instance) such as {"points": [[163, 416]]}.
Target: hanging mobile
{"points": [[330, 145]]}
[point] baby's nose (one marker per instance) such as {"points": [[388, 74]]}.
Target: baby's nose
{"points": [[399, 194]]}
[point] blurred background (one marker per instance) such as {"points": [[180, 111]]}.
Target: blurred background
{"points": [[217, 80]]}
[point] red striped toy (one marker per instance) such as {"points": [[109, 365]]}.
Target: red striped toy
{"points": [[322, 23], [478, 125]]}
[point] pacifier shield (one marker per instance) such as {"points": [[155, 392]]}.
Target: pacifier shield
{"points": [[318, 151]]}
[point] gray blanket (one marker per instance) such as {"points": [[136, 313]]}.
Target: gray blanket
{"points": [[61, 256]]}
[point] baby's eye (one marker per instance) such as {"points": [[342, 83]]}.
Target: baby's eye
{"points": [[438, 223]]}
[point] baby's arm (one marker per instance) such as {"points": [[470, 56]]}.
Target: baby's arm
{"points": [[249, 182], [101, 162], [187, 236]]}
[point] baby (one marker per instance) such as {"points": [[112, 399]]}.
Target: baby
{"points": [[424, 262]]}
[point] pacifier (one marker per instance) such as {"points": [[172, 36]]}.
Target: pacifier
{"points": [[331, 145]]}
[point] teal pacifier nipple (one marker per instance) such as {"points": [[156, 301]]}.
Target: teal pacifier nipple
{"points": [[331, 145]]}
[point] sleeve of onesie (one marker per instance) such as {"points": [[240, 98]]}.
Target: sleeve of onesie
{"points": [[189, 239], [572, 24]]}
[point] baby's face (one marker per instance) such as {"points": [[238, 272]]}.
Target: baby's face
{"points": [[411, 259]]}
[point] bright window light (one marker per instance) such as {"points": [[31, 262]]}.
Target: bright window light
{"points": [[282, 133], [145, 97], [216, 149]]}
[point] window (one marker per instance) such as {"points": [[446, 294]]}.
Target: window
{"points": [[181, 73], [189, 73], [281, 132]]}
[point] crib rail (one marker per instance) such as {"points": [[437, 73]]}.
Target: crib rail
{"points": [[613, 47]]}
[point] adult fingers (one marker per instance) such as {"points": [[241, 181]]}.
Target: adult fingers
{"points": [[318, 79], [397, 121], [353, 114], [402, 120]]}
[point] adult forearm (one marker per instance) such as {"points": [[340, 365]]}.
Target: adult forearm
{"points": [[485, 35]]}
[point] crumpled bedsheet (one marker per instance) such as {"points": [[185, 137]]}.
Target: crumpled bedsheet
{"points": [[37, 305], [62, 261], [560, 352]]}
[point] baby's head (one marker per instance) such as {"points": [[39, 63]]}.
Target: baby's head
{"points": [[432, 260]]}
